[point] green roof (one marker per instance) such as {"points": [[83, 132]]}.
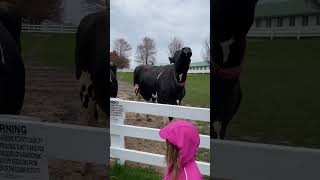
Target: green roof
{"points": [[197, 64], [286, 8]]}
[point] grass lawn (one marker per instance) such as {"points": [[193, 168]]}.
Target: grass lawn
{"points": [[119, 172], [281, 93], [197, 88], [56, 50], [123, 172]]}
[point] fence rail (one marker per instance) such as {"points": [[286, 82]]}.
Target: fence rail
{"points": [[44, 28], [119, 130], [298, 32], [190, 71]]}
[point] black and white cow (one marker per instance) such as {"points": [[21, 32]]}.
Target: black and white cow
{"points": [[92, 67], [164, 84], [231, 20], [12, 72]]}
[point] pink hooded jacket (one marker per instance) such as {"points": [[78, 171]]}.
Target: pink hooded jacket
{"points": [[186, 137]]}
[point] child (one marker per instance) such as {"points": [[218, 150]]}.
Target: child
{"points": [[182, 140]]}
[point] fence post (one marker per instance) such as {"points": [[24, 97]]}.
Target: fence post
{"points": [[117, 116], [272, 33]]}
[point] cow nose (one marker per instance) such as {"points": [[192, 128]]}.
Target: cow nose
{"points": [[187, 51]]}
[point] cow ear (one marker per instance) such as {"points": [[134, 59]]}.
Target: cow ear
{"points": [[171, 59]]}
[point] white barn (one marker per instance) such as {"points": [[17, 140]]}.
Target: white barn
{"points": [[286, 18]]}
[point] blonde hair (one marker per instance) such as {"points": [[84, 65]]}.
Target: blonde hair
{"points": [[172, 160]]}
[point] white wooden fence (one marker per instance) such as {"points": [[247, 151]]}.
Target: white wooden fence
{"points": [[118, 130], [44, 28], [298, 32]]}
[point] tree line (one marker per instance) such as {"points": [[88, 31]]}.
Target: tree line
{"points": [[146, 51]]}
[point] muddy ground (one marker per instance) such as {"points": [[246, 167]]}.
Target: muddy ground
{"points": [[52, 94]]}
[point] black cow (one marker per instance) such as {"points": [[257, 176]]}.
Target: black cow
{"points": [[231, 20], [12, 72], [164, 84], [91, 60]]}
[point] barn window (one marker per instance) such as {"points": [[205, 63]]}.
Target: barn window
{"points": [[258, 22], [318, 20], [279, 21], [268, 22], [292, 21], [305, 20]]}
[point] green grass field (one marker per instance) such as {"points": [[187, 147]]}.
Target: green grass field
{"points": [[281, 93], [50, 49], [197, 88]]}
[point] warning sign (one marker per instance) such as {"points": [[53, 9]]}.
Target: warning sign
{"points": [[116, 111], [23, 152]]}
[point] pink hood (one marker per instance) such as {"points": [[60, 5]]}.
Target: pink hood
{"points": [[186, 137]]}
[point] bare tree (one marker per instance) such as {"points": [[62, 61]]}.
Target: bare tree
{"points": [[122, 48], [146, 52], [205, 53], [95, 5], [175, 45], [41, 10]]}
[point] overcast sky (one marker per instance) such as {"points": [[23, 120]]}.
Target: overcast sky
{"points": [[161, 20]]}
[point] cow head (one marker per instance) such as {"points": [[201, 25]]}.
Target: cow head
{"points": [[182, 61]]}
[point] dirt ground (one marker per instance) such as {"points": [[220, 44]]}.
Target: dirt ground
{"points": [[52, 95]]}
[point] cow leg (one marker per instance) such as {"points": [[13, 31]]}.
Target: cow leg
{"points": [[138, 98], [148, 116], [223, 129], [232, 107], [217, 128], [178, 102], [165, 121], [213, 134], [136, 89]]}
